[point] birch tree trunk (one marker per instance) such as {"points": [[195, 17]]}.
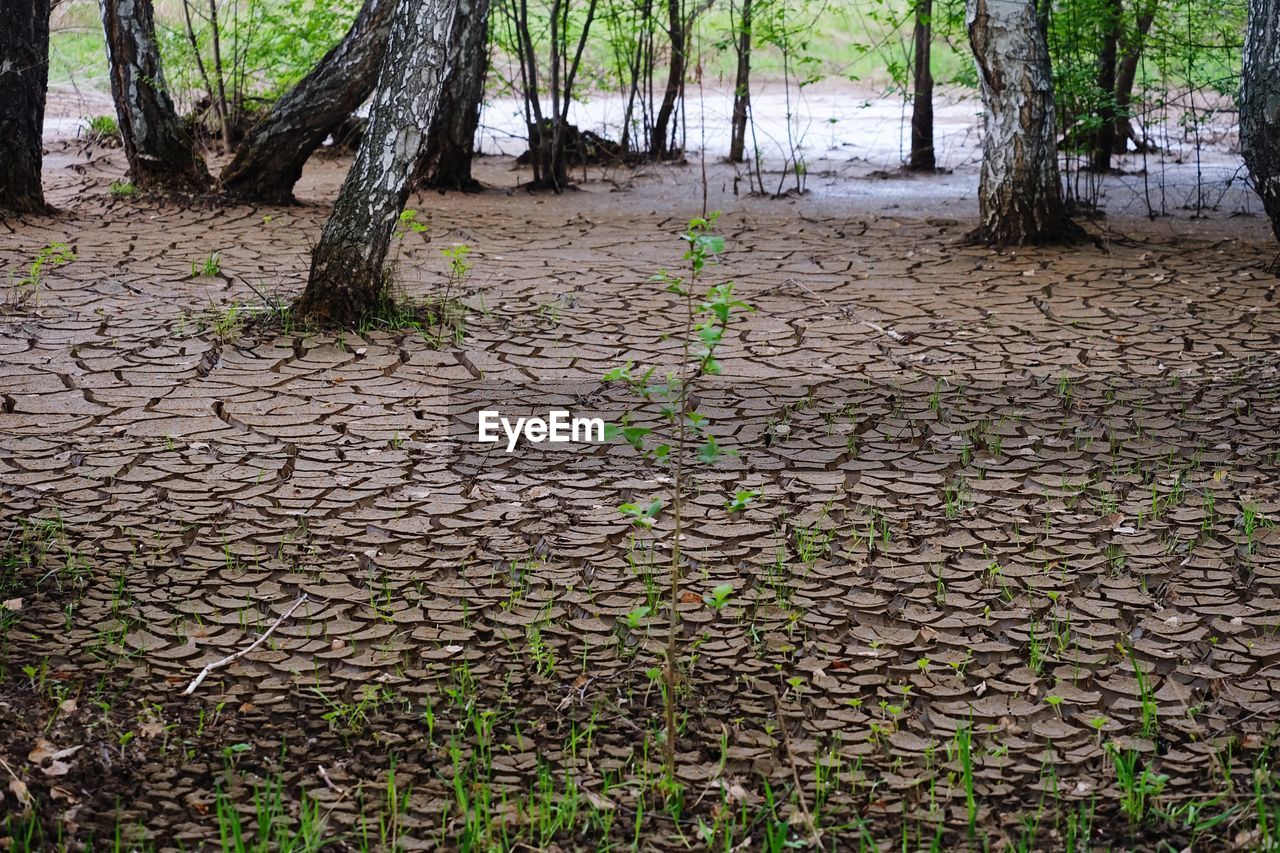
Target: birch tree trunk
{"points": [[161, 153], [269, 160], [923, 158], [24, 78], [1019, 194], [1260, 104], [347, 276], [451, 144]]}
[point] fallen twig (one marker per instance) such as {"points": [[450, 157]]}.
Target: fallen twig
{"points": [[337, 789], [1246, 718], [229, 659]]}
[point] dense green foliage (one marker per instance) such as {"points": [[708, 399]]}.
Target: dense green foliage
{"points": [[1185, 54]]}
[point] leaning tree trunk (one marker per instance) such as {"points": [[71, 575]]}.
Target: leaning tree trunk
{"points": [[161, 153], [24, 77], [922, 155], [1126, 76], [1104, 139], [269, 161], [1019, 193], [451, 145], [675, 80], [742, 88], [1260, 104], [347, 276]]}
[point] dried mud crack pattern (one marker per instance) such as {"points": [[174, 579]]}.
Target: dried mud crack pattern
{"points": [[1007, 481]]}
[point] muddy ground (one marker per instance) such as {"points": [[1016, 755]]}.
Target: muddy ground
{"points": [[1011, 579]]}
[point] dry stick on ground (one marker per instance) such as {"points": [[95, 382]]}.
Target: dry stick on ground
{"points": [[329, 783], [229, 659]]}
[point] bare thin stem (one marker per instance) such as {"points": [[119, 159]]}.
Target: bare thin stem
{"points": [[230, 659]]}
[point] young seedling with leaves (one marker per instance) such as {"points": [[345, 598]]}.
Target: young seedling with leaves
{"points": [[687, 438]]}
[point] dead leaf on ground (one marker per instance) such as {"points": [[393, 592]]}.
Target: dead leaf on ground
{"points": [[19, 789], [600, 803], [50, 759]]}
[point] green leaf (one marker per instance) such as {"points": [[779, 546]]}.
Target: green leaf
{"points": [[712, 243], [719, 595], [617, 373], [742, 499], [635, 436], [641, 517]]}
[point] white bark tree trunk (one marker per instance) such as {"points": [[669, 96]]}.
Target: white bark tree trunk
{"points": [[161, 153], [1020, 194], [1260, 104], [347, 277], [451, 144]]}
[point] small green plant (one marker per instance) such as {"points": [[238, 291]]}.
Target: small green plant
{"points": [[273, 828], [544, 657], [438, 319], [1150, 720], [955, 496], [1035, 648], [1139, 785], [408, 224], [719, 596], [209, 266], [103, 129], [705, 321], [964, 754], [459, 268], [742, 499], [48, 257], [636, 616], [123, 189], [227, 322], [1251, 520]]}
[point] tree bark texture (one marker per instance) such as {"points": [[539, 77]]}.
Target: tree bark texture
{"points": [[658, 144], [922, 154], [742, 88], [24, 78], [1019, 193], [161, 153], [1104, 139], [269, 160], [451, 144], [347, 266], [1260, 104]]}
